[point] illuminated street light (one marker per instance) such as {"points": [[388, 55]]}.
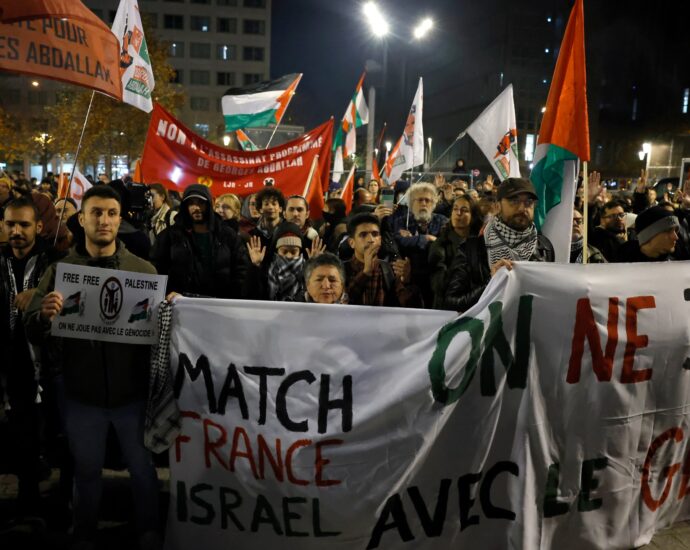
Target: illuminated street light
{"points": [[647, 148], [388, 146], [377, 22], [34, 83], [226, 140], [421, 30], [641, 155], [543, 110]]}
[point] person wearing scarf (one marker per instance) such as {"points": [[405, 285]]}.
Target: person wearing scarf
{"points": [[510, 236], [577, 244]]}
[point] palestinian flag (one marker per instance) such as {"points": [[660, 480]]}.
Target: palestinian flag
{"points": [[356, 115], [348, 192], [563, 139], [71, 304], [245, 141], [258, 104], [139, 311]]}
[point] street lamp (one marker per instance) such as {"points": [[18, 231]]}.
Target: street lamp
{"points": [[377, 22], [388, 148], [421, 30], [226, 140], [429, 140], [34, 83]]}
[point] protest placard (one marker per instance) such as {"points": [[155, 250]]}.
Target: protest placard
{"points": [[108, 304]]}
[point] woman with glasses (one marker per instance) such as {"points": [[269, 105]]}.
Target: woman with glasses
{"points": [[465, 221]]}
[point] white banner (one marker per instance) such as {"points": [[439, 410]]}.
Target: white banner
{"points": [[553, 414], [495, 132], [108, 304], [408, 152]]}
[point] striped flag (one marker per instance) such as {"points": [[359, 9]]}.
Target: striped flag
{"points": [[356, 115], [258, 104], [136, 72], [80, 185], [72, 304], [245, 141], [563, 139], [140, 311]]}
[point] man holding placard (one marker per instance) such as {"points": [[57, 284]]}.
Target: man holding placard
{"points": [[103, 382]]}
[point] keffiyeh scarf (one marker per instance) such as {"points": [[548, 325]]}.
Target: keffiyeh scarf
{"points": [[505, 243]]}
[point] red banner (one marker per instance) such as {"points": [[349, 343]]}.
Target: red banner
{"points": [[176, 157], [72, 50]]}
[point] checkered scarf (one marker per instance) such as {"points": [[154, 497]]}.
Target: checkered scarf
{"points": [[505, 243], [285, 279]]}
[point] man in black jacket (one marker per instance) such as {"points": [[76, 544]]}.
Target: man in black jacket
{"points": [[510, 236], [201, 255], [22, 263]]}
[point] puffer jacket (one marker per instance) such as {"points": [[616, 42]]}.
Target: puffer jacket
{"points": [[100, 374]]}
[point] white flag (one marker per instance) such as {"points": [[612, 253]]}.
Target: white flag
{"points": [[135, 65], [80, 185], [338, 164], [409, 150], [495, 132]]}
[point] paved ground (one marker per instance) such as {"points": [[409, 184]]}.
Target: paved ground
{"points": [[115, 534]]}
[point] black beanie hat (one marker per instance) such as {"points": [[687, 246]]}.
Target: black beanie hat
{"points": [[653, 221]]}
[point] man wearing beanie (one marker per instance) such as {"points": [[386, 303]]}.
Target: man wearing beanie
{"points": [[657, 235], [510, 236], [201, 255]]}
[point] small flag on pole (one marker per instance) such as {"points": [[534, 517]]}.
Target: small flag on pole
{"points": [[495, 132], [409, 150], [245, 141], [136, 72], [258, 104], [356, 115]]}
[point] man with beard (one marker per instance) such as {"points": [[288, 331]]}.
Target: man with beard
{"points": [[510, 236], [577, 243], [414, 230], [201, 255], [297, 212], [611, 233], [22, 263], [372, 281], [102, 383]]}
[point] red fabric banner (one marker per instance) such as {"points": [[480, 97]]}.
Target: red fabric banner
{"points": [[176, 157]]}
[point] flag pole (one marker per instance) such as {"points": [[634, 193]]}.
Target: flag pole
{"points": [[312, 169], [585, 213], [460, 136], [273, 134], [74, 166]]}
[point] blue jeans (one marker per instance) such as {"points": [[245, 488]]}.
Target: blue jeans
{"points": [[87, 428]]}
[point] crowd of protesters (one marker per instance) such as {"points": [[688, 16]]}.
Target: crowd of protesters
{"points": [[437, 246]]}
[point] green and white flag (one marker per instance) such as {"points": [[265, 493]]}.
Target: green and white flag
{"points": [[258, 104], [345, 142], [72, 304], [140, 311], [135, 64]]}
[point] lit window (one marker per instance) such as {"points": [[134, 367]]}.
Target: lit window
{"points": [[529, 148], [686, 99]]}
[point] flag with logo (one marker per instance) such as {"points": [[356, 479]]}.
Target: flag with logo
{"points": [[140, 311], [258, 104], [563, 139], [136, 72], [72, 304], [245, 141], [495, 132], [409, 150]]}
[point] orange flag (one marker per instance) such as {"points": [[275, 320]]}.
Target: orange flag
{"points": [[61, 40], [313, 192]]}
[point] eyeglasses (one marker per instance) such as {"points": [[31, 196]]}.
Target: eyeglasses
{"points": [[517, 201], [618, 216], [578, 221]]}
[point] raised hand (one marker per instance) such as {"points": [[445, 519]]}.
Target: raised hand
{"points": [[371, 260], [317, 247], [594, 187], [51, 305], [256, 251]]}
